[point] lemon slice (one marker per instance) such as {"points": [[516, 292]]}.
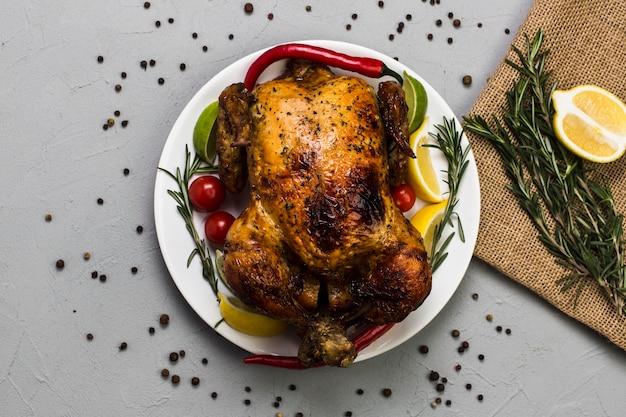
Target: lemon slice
{"points": [[204, 132], [590, 122], [241, 318], [417, 101], [421, 174], [426, 219]]}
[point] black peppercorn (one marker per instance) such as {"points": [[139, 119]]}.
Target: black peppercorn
{"points": [[173, 357], [455, 333], [151, 330], [440, 387], [423, 349], [214, 395], [146, 5], [164, 319], [165, 372], [387, 392], [123, 346], [89, 336], [434, 375], [175, 379], [195, 380], [60, 264], [467, 80], [248, 8], [100, 59]]}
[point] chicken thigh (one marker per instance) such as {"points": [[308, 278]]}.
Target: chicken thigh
{"points": [[322, 244]]}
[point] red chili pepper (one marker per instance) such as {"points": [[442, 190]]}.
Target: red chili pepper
{"points": [[370, 335], [370, 67], [287, 362], [361, 341]]}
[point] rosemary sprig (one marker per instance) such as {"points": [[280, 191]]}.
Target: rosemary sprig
{"points": [[449, 143], [575, 216], [181, 197]]}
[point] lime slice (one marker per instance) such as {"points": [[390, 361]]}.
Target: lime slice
{"points": [[204, 133], [416, 99]]}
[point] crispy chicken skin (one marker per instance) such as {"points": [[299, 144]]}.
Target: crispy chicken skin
{"points": [[322, 244]]}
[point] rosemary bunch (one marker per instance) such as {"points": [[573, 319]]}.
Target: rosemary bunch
{"points": [[449, 143], [185, 209], [575, 216]]}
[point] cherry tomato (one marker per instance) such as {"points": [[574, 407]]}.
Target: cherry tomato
{"points": [[207, 193], [404, 197], [216, 226]]}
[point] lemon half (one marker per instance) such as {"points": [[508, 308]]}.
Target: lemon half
{"points": [[241, 318], [421, 174], [590, 122], [426, 220]]}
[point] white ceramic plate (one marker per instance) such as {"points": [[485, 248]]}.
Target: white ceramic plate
{"points": [[176, 244]]}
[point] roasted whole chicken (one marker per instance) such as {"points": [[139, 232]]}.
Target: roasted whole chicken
{"points": [[322, 244]]}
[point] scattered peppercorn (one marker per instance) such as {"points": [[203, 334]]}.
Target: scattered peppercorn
{"points": [[408, 17], [100, 201], [354, 16], [206, 48], [424, 349], [348, 414], [161, 81], [475, 295], [440, 387], [508, 331], [124, 123], [456, 23], [386, 392], [146, 5], [248, 389], [182, 66], [444, 380], [195, 380], [307, 8], [103, 278], [461, 349], [507, 31], [144, 64], [164, 319], [100, 59], [173, 357], [467, 80], [48, 217], [205, 361], [133, 270], [438, 22], [89, 336], [498, 329], [175, 379], [348, 26], [360, 391], [489, 317], [118, 87], [381, 4], [117, 113], [86, 256], [139, 229], [248, 8], [165, 372], [123, 346], [465, 344], [110, 121], [60, 264], [457, 367], [170, 20], [438, 400], [391, 36], [126, 171], [434, 375], [194, 35], [247, 401], [151, 330], [448, 403], [450, 15], [276, 404], [214, 395], [480, 397], [455, 333], [479, 25], [481, 357], [94, 274], [468, 386], [181, 353], [157, 23], [123, 75], [450, 40], [430, 36]]}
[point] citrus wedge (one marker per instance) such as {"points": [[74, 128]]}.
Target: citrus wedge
{"points": [[421, 174], [241, 318], [204, 132], [426, 219], [590, 122], [417, 101]]}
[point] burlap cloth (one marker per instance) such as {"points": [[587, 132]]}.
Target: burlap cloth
{"points": [[587, 43]]}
